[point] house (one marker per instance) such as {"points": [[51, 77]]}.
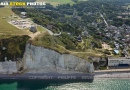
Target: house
{"points": [[119, 17], [118, 62], [85, 33], [79, 38], [49, 27], [117, 45], [4, 48], [125, 52], [23, 13]]}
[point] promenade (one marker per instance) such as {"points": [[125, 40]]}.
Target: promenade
{"points": [[113, 70], [113, 74]]}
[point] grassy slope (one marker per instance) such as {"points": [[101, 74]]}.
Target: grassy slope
{"points": [[54, 43], [5, 27], [39, 28]]}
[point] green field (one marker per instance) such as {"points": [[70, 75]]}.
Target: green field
{"points": [[5, 27], [56, 2]]}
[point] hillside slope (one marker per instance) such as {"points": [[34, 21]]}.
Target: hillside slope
{"points": [[5, 27]]}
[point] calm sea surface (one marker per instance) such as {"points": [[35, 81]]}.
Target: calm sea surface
{"points": [[97, 84]]}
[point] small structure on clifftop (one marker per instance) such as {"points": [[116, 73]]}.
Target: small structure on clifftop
{"points": [[33, 29]]}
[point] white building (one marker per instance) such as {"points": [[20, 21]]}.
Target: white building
{"points": [[118, 61], [23, 13]]}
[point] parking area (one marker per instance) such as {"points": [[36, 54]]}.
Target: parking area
{"points": [[21, 23]]}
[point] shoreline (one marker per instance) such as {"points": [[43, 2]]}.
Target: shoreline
{"points": [[112, 74], [113, 70], [48, 77], [100, 74]]}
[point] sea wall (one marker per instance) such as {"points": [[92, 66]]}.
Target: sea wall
{"points": [[41, 60]]}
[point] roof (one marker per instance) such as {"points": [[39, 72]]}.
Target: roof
{"points": [[119, 58], [24, 13], [116, 51], [33, 29]]}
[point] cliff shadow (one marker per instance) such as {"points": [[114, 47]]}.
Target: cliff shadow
{"points": [[40, 84]]}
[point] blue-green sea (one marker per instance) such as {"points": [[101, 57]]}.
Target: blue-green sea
{"points": [[97, 84]]}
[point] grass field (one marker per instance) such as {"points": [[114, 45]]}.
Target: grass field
{"points": [[5, 27], [39, 28], [56, 2]]}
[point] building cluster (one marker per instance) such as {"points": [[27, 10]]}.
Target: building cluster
{"points": [[119, 38]]}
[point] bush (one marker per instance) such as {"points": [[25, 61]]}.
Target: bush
{"points": [[107, 52]]}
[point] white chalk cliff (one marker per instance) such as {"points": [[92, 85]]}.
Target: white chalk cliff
{"points": [[8, 67], [38, 59], [41, 60]]}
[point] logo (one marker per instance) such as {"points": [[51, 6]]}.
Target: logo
{"points": [[23, 4]]}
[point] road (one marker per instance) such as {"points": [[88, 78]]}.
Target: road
{"points": [[33, 35], [112, 75], [113, 70], [49, 31]]}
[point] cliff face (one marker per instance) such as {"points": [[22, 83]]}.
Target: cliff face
{"points": [[40, 60], [12, 48], [8, 67]]}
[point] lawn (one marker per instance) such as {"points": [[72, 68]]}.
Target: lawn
{"points": [[56, 2], [5, 27], [39, 28]]}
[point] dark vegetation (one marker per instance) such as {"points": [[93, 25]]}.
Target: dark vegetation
{"points": [[84, 16], [57, 43], [102, 64], [13, 47], [80, 24]]}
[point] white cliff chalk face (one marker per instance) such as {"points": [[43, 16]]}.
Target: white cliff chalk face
{"points": [[8, 67], [41, 60]]}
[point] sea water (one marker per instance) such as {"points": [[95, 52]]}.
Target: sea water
{"points": [[97, 84]]}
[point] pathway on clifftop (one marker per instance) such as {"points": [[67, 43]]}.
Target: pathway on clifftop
{"points": [[33, 35]]}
